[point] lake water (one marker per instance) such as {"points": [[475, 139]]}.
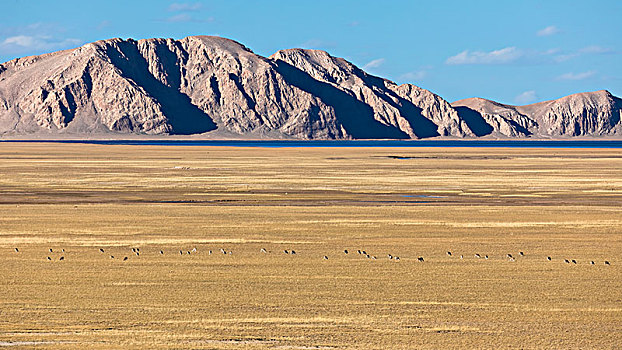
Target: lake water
{"points": [[367, 143]]}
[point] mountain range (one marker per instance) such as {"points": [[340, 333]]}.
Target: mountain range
{"points": [[212, 87]]}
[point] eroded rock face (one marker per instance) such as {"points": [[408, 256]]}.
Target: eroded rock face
{"points": [[585, 114], [213, 86]]}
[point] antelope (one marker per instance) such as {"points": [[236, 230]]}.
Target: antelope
{"points": [[16, 250], [124, 259], [345, 251], [548, 258], [325, 257], [449, 253], [607, 262], [62, 258], [420, 259], [101, 250]]}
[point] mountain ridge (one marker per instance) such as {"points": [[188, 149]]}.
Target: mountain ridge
{"points": [[213, 87]]}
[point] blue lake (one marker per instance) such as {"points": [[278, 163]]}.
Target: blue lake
{"points": [[366, 143]]}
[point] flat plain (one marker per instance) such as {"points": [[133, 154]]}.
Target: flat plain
{"points": [[407, 202]]}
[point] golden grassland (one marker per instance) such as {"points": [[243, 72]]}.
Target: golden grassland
{"points": [[408, 202]]}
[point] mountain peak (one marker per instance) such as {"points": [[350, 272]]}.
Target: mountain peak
{"points": [[217, 87]]}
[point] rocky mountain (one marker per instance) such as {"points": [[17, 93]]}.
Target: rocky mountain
{"points": [[585, 114], [217, 88]]}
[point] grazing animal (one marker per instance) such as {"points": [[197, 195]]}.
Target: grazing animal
{"points": [[62, 250], [188, 252], [62, 258], [390, 256], [567, 261], [133, 250], [137, 253], [345, 251], [194, 250], [607, 262], [397, 258], [449, 253], [51, 251], [574, 261], [293, 252], [263, 250], [461, 257], [364, 252], [512, 259], [367, 256], [325, 257], [358, 251], [16, 250], [510, 256], [49, 258], [209, 253], [548, 258], [161, 252], [420, 259], [591, 262], [477, 256], [373, 258], [124, 259], [286, 251], [181, 253], [223, 251], [521, 253], [112, 257], [486, 257], [230, 252], [101, 250]]}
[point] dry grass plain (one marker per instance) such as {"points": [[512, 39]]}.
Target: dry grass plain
{"points": [[563, 203]]}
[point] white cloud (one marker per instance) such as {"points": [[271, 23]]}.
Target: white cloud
{"points": [[502, 56], [526, 97], [374, 64], [318, 44], [577, 76], [27, 43], [34, 39], [184, 17], [595, 49], [413, 76], [187, 6], [548, 31]]}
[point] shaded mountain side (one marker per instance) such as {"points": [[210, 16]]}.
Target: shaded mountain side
{"points": [[206, 86], [584, 114]]}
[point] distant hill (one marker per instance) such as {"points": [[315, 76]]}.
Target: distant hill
{"points": [[213, 87]]}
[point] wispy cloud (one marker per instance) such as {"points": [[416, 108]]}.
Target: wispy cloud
{"points": [[35, 38], [512, 55], [526, 97], [548, 31], [374, 64], [186, 18], [185, 6], [414, 75], [596, 49], [577, 76], [20, 44], [318, 44], [502, 56]]}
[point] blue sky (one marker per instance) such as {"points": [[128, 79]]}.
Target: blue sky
{"points": [[514, 52]]}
